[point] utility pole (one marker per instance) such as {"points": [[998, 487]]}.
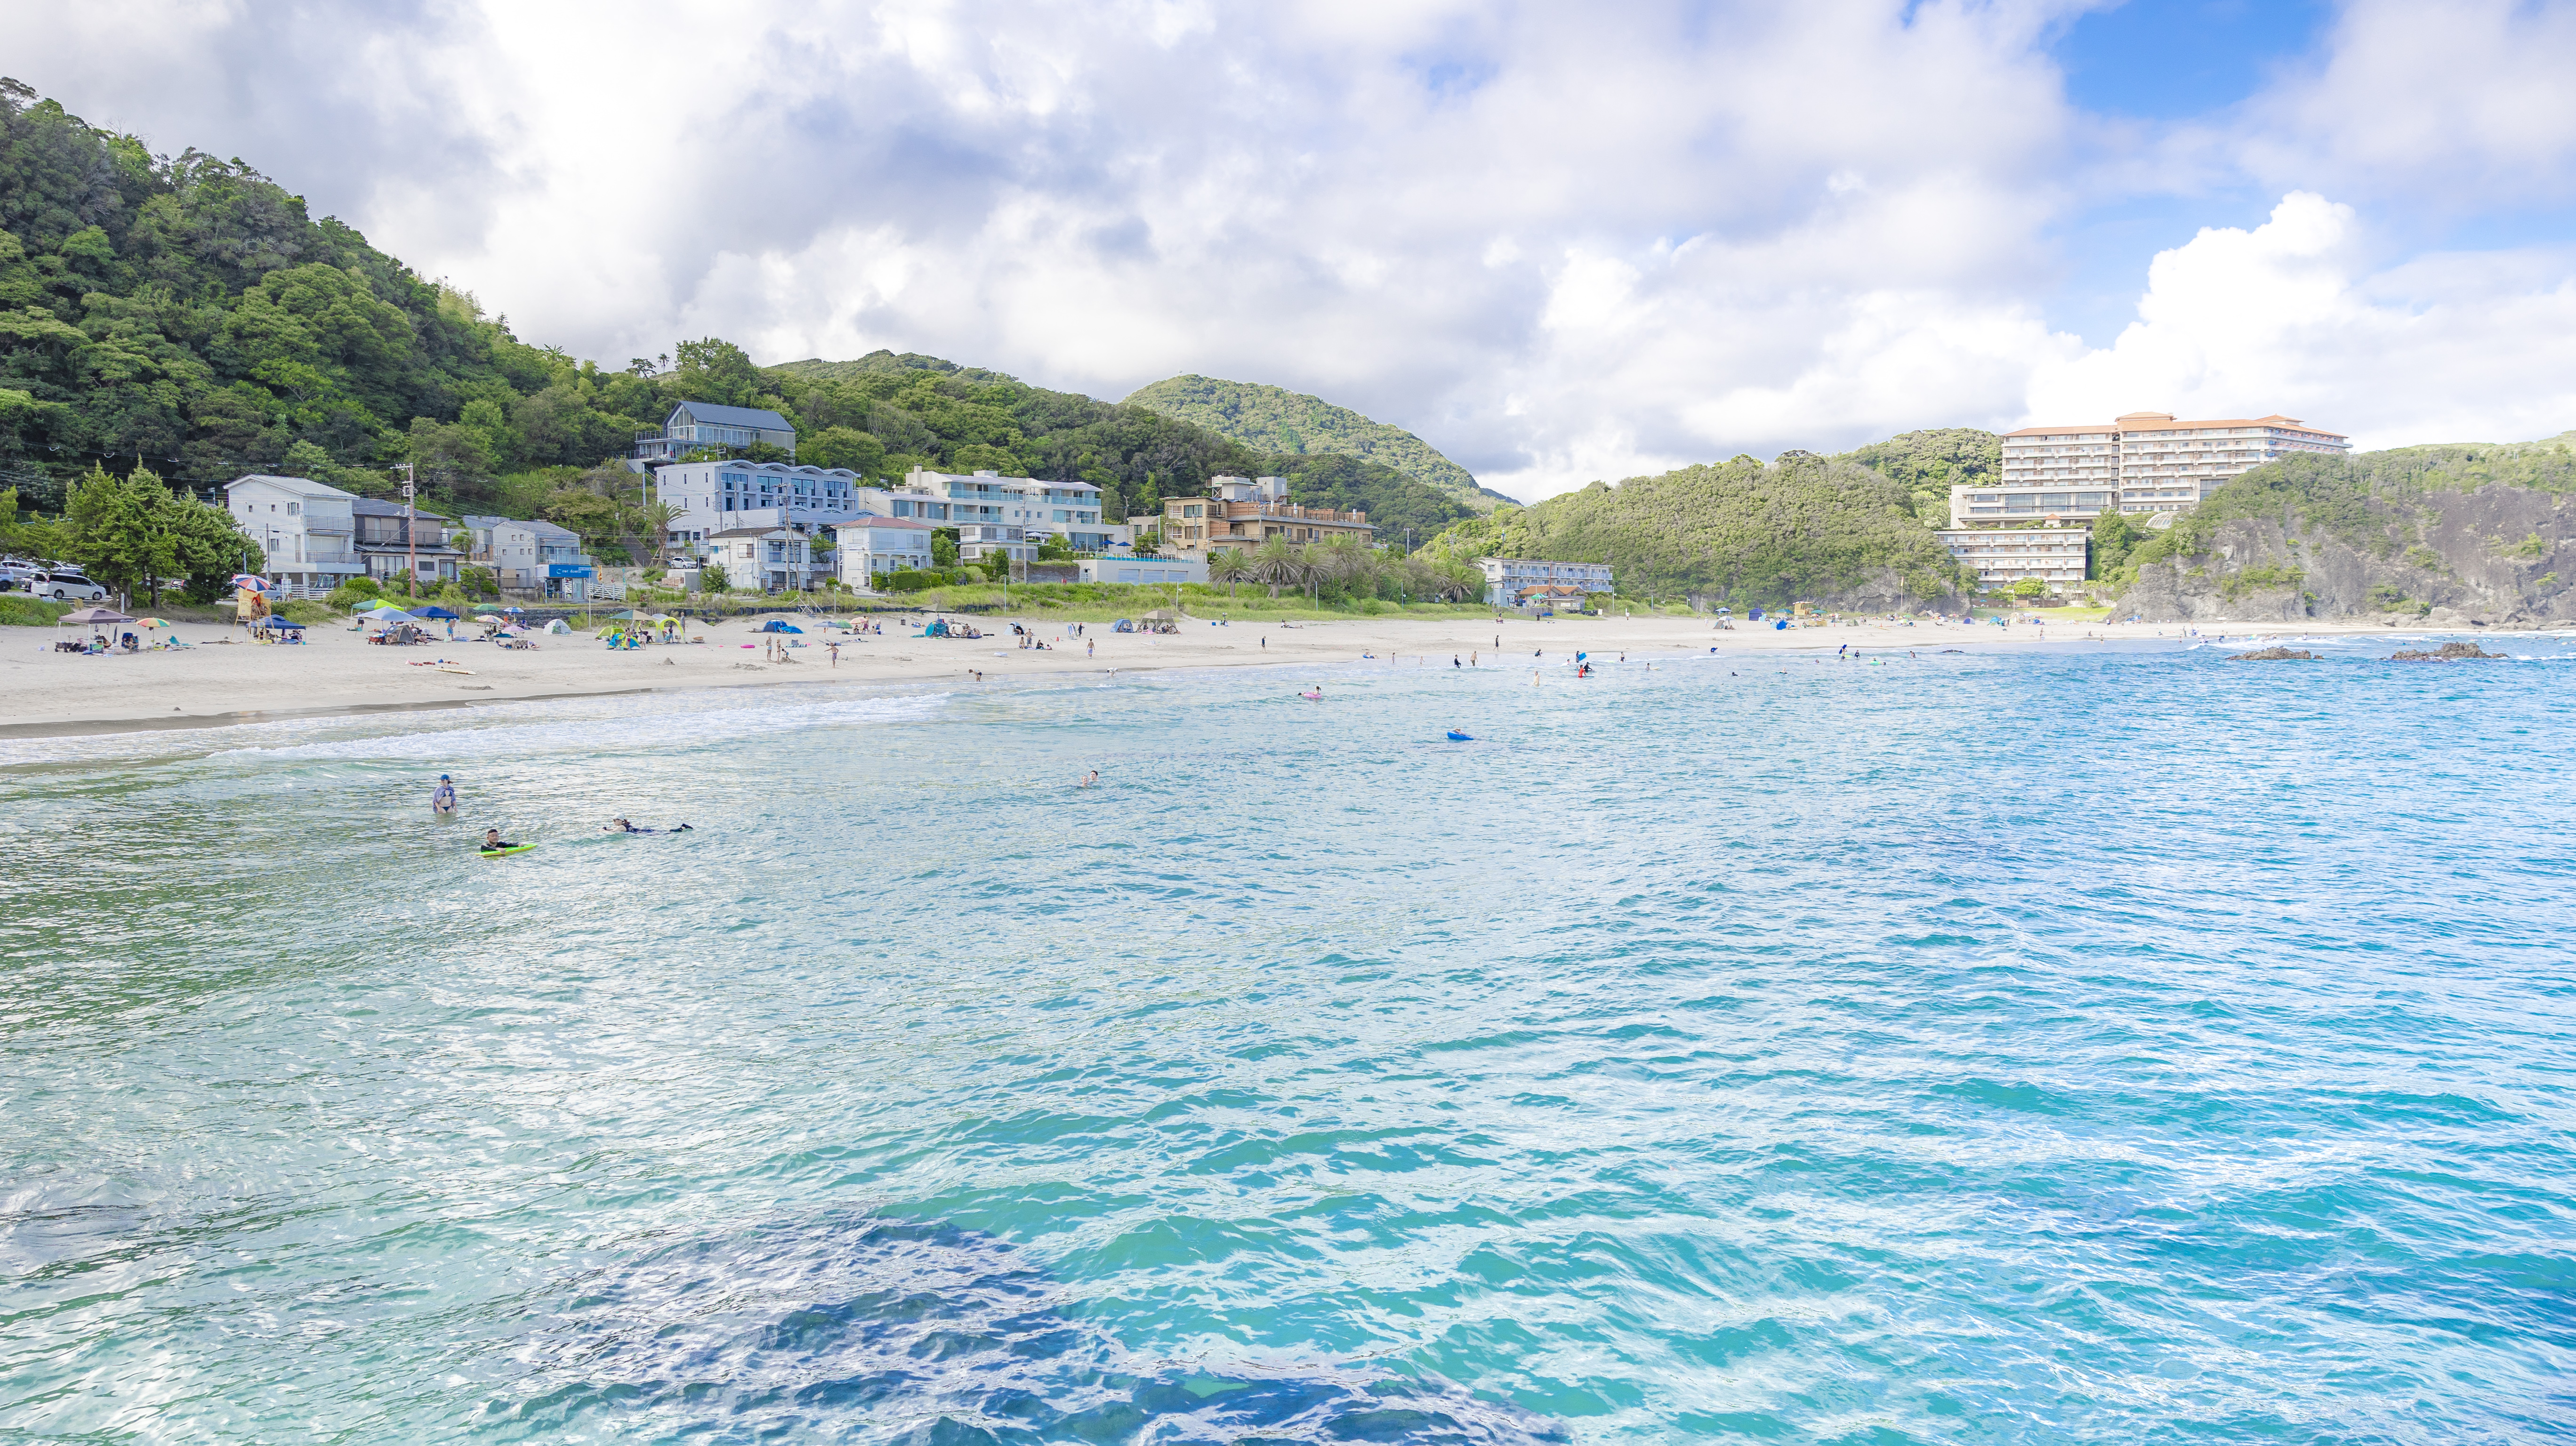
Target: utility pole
{"points": [[411, 544]]}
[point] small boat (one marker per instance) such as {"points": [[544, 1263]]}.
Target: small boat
{"points": [[1457, 737]]}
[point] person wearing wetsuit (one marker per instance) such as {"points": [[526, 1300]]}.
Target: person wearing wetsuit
{"points": [[494, 843]]}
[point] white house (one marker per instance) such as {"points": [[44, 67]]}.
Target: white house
{"points": [[871, 547], [771, 559], [693, 425], [305, 528], [536, 558], [1145, 570]]}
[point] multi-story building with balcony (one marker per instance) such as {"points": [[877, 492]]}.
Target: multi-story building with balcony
{"points": [[394, 540], [2145, 462], [1008, 515], [1509, 581], [2055, 553], [696, 425], [305, 529], [712, 497], [1241, 513]]}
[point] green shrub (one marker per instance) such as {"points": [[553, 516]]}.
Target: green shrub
{"points": [[21, 611], [357, 592], [302, 610]]}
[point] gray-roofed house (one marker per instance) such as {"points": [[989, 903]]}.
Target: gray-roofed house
{"points": [[693, 425]]}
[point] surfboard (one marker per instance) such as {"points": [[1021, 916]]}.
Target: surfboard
{"points": [[512, 849]]}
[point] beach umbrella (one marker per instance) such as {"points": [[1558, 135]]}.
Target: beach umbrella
{"points": [[154, 622], [486, 618], [96, 617]]}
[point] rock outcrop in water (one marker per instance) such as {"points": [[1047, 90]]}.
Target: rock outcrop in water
{"points": [[2275, 655], [2447, 653]]}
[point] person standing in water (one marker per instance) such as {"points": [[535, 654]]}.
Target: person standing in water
{"points": [[442, 799]]}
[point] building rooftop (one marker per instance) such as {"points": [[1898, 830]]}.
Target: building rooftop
{"points": [[2165, 422], [756, 532], [305, 486], [724, 416]]}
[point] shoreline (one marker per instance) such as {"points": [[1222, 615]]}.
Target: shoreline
{"points": [[47, 695]]}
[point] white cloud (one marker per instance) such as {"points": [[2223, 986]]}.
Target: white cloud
{"points": [[1559, 242], [2289, 317], [2454, 105]]}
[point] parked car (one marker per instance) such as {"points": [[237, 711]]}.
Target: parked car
{"points": [[66, 587]]}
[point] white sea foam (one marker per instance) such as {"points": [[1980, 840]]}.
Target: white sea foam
{"points": [[470, 736]]}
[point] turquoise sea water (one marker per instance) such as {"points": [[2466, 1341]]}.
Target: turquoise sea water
{"points": [[2075, 1046]]}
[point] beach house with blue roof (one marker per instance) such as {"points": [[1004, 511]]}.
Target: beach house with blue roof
{"points": [[693, 425]]}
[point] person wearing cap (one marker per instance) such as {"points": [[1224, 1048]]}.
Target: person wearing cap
{"points": [[443, 798]]}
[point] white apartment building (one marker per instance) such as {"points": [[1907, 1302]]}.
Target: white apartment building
{"points": [[305, 529], [871, 547], [1508, 579], [769, 559], [2144, 462], [1010, 515], [2002, 556], [713, 497]]}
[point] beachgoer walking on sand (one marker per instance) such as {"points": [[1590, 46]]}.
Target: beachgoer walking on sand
{"points": [[1090, 646], [442, 799], [835, 650]]}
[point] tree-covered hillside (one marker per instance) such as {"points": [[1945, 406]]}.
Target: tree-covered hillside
{"points": [[884, 413], [1739, 532], [1276, 420], [185, 314], [1927, 464], [2471, 526]]}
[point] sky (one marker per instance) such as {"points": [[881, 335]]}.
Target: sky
{"points": [[1561, 243]]}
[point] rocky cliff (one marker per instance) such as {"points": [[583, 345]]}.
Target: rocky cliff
{"points": [[2445, 536]]}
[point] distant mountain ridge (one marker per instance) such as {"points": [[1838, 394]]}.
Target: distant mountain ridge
{"points": [[1275, 419]]}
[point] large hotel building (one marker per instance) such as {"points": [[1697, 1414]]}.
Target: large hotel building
{"points": [[2145, 462]]}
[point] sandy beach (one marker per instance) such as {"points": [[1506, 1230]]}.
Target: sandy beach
{"points": [[44, 693]]}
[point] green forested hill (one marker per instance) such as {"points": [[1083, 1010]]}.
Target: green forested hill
{"points": [[1927, 464], [1742, 532], [1276, 420]]}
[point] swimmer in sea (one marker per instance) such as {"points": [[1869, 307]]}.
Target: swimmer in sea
{"points": [[492, 841], [442, 799]]}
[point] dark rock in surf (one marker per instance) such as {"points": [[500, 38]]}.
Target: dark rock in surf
{"points": [[2448, 653], [2275, 655]]}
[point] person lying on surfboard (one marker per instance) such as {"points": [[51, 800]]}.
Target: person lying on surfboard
{"points": [[494, 843], [619, 825]]}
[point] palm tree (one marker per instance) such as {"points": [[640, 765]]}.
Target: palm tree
{"points": [[1276, 563], [1229, 566]]}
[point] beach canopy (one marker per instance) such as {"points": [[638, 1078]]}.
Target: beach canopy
{"points": [[96, 616], [434, 612], [274, 621], [1162, 615], [628, 613]]}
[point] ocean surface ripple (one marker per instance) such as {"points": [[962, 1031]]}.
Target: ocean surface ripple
{"points": [[2068, 1046]]}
